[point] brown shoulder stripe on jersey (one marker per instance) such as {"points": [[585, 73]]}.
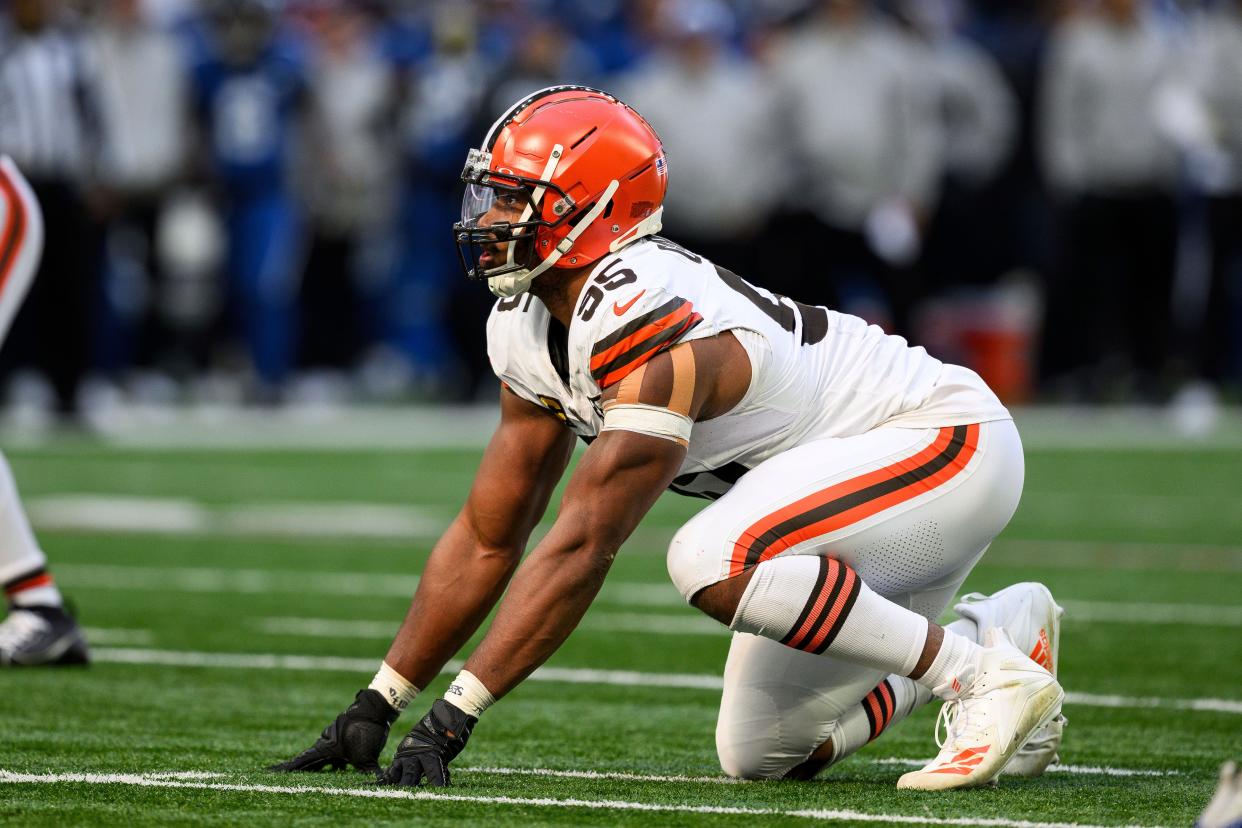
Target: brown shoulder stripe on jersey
{"points": [[624, 350], [635, 325]]}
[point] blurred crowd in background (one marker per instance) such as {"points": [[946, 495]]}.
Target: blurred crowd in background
{"points": [[249, 200]]}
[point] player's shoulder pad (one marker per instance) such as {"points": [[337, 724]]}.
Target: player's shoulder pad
{"points": [[514, 329], [633, 308]]}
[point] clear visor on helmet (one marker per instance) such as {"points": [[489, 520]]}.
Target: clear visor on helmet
{"points": [[475, 203], [500, 207]]}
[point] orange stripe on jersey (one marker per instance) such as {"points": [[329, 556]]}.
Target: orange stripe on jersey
{"points": [[619, 369], [15, 228], [858, 498], [623, 351]]}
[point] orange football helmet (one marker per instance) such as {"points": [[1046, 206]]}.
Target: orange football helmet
{"points": [[590, 170]]}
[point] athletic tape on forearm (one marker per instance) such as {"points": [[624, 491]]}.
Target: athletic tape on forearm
{"points": [[649, 419], [468, 694]]}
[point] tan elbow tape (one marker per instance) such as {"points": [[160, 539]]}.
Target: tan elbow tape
{"points": [[649, 419], [683, 379], [628, 392]]}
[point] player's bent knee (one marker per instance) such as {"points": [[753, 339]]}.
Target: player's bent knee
{"points": [[694, 557], [754, 755]]}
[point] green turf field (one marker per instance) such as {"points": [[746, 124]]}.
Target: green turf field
{"points": [[198, 573]]}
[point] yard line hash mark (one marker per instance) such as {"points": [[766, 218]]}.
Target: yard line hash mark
{"points": [[568, 675], [822, 815]]}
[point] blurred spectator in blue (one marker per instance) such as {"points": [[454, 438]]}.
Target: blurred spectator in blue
{"points": [[347, 177], [138, 74], [620, 33], [1114, 171], [249, 85], [546, 53], [979, 120], [865, 140], [1216, 163], [713, 110], [49, 126], [435, 314]]}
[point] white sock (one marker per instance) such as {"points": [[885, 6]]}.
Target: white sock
{"points": [[892, 700], [468, 694], [954, 667], [394, 687], [820, 605], [22, 564]]}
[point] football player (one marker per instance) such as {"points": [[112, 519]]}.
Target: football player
{"points": [[854, 480], [37, 629]]}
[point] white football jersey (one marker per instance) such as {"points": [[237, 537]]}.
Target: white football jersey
{"points": [[815, 373]]}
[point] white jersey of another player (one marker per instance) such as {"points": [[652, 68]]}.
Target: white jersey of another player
{"points": [[815, 373]]}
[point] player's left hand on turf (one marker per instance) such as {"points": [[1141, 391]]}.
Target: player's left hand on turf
{"points": [[429, 746]]}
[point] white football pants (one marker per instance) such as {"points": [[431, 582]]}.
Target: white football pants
{"points": [[910, 510]]}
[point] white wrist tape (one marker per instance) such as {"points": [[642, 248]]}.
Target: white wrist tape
{"points": [[394, 687], [648, 419], [468, 694]]}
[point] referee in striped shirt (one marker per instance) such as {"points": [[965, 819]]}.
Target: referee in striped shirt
{"points": [[46, 126]]}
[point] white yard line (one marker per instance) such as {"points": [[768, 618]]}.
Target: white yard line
{"points": [[175, 516], [1074, 770], [332, 428], [97, 512], [618, 776], [621, 593], [1124, 613], [232, 580], [568, 675], [680, 625], [825, 815], [119, 635]]}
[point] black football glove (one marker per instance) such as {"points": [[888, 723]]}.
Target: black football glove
{"points": [[355, 738], [429, 746]]}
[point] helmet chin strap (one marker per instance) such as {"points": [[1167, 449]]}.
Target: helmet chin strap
{"points": [[518, 281]]}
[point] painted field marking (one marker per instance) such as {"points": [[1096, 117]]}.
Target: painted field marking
{"points": [[568, 675], [119, 635], [824, 815], [176, 516], [401, 522], [1134, 613], [620, 776], [1074, 770], [680, 625], [621, 593], [232, 580]]}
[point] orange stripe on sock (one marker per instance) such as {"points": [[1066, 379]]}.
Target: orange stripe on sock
{"points": [[809, 625], [30, 583], [827, 626]]}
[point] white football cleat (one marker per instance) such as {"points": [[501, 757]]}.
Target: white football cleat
{"points": [[1032, 620], [989, 719], [1225, 809]]}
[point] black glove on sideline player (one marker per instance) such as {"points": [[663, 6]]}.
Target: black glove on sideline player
{"points": [[430, 746], [355, 738]]}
